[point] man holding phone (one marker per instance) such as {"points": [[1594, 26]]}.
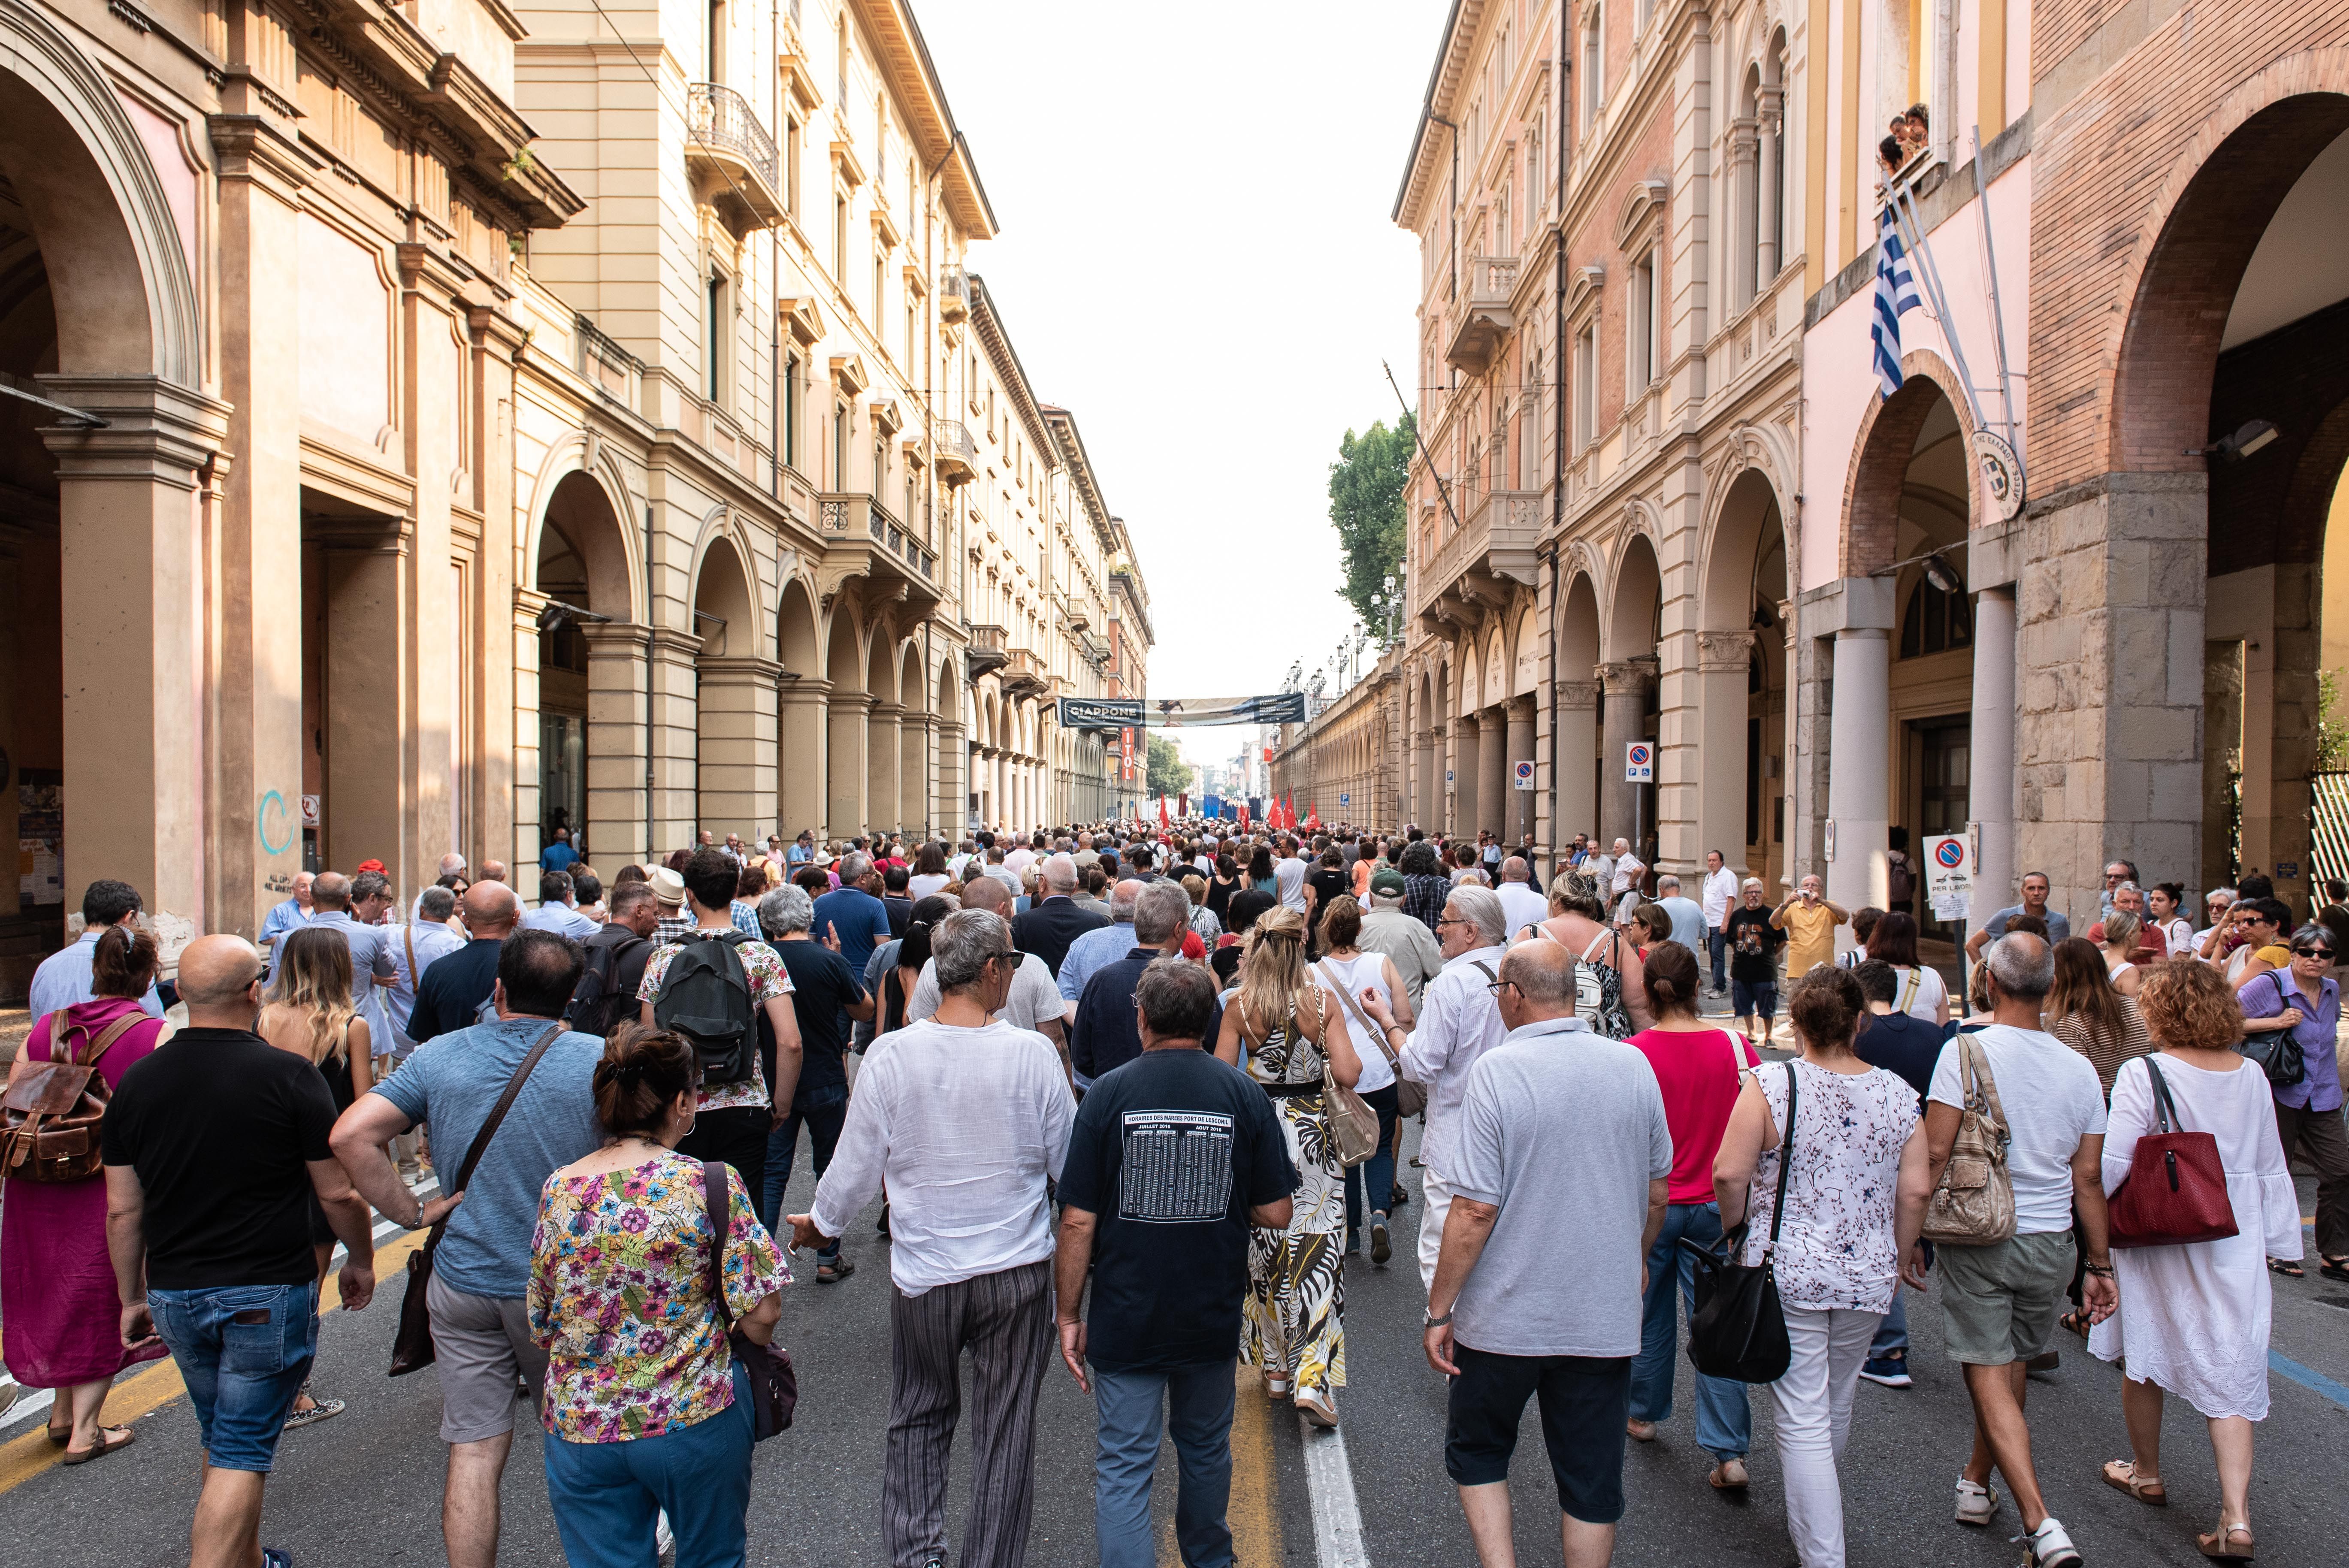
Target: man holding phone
{"points": [[1809, 922]]}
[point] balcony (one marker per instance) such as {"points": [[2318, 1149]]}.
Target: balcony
{"points": [[1024, 674], [957, 454], [725, 142], [988, 651], [862, 539], [1094, 647], [1484, 315], [954, 295], [1078, 612], [1476, 568]]}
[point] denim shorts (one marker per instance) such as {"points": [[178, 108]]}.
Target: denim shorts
{"points": [[243, 1351], [1754, 998]]}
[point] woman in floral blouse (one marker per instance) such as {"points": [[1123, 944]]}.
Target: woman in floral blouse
{"points": [[644, 1411]]}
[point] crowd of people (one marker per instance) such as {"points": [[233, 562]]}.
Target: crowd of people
{"points": [[1136, 1094]]}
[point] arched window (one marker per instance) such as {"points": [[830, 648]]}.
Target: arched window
{"points": [[1594, 65], [1935, 621]]}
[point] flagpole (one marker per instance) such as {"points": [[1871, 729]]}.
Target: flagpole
{"points": [[1912, 232]]}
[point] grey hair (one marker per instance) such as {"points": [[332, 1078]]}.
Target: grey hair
{"points": [[1481, 907], [2023, 967], [364, 886], [962, 944], [786, 908], [1176, 997], [1121, 903], [855, 869], [1162, 911], [1060, 872], [437, 904], [1668, 884], [1385, 900]]}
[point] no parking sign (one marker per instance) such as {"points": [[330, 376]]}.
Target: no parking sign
{"points": [[1640, 763], [1522, 773], [1949, 880]]}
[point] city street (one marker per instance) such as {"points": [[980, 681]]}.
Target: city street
{"points": [[365, 1487]]}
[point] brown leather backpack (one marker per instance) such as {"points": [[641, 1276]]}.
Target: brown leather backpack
{"points": [[50, 1112]]}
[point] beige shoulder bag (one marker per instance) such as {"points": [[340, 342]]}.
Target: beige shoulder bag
{"points": [[1973, 1206]]}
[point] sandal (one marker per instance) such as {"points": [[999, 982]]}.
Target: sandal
{"points": [[1640, 1432], [2335, 1268], [319, 1410], [2121, 1476], [109, 1439], [58, 1438], [2228, 1544], [2074, 1320], [1729, 1475], [2286, 1268], [832, 1271]]}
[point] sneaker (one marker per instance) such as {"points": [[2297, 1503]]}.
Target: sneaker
{"points": [[271, 1557], [1892, 1371], [1353, 1244], [1382, 1249], [1976, 1503], [2049, 1546], [319, 1410]]}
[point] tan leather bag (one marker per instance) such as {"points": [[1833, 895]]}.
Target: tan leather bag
{"points": [[50, 1112], [1973, 1206], [1353, 1122]]}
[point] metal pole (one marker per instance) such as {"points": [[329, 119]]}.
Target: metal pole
{"points": [[1912, 227], [1997, 314]]}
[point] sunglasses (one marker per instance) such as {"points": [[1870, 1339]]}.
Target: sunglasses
{"points": [[2323, 952]]}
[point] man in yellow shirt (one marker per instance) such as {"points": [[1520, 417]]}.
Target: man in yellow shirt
{"points": [[1809, 922]]}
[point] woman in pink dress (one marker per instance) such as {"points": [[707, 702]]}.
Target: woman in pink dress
{"points": [[59, 1320]]}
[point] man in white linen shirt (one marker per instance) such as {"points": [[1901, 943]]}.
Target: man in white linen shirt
{"points": [[1458, 1022], [1720, 897], [1521, 905], [966, 1121], [66, 977]]}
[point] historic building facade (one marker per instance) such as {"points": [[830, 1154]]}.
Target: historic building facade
{"points": [[1347, 765], [1609, 200]]}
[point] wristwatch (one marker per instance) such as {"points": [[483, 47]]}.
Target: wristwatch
{"points": [[1431, 1321]]}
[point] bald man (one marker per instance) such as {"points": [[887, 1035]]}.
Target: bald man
{"points": [[455, 989], [213, 1150], [1056, 920]]}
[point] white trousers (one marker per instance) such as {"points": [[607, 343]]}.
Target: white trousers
{"points": [[1435, 1192], [1813, 1417]]}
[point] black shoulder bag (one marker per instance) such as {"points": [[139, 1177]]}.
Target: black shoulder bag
{"points": [[1738, 1330], [411, 1346], [2273, 1051], [774, 1386]]}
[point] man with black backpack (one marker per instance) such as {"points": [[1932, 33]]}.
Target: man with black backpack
{"points": [[616, 959], [714, 987]]}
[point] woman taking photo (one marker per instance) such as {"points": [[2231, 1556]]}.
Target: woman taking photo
{"points": [[307, 1011], [646, 1412], [2194, 1318], [1918, 990], [2088, 1012], [1855, 1197], [58, 1312], [1700, 1069], [1292, 1324], [1346, 971]]}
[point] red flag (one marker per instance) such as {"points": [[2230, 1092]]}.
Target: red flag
{"points": [[1244, 817], [1312, 816], [1162, 813]]}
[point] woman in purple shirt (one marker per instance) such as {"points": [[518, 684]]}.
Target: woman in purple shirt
{"points": [[2304, 998]]}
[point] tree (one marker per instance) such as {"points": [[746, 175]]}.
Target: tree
{"points": [[1366, 508], [1168, 774]]}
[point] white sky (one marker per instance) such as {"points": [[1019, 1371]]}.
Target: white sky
{"points": [[1196, 260]]}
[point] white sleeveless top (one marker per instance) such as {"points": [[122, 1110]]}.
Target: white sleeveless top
{"points": [[1365, 970]]}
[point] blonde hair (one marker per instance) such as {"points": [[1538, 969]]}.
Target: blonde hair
{"points": [[1272, 972], [314, 978]]}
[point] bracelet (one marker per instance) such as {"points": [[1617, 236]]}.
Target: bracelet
{"points": [[2103, 1271], [1431, 1321]]}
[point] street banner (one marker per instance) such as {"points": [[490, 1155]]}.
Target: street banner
{"points": [[1178, 713], [1125, 756]]}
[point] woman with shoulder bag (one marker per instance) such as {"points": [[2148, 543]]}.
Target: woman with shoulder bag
{"points": [[648, 1411], [2194, 1317], [1347, 971], [2295, 1009], [1292, 1324], [1855, 1203], [58, 1313], [1613, 1000]]}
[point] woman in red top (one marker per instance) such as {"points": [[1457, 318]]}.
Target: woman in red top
{"points": [[1698, 1069], [59, 1315]]}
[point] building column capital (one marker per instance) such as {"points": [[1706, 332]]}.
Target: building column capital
{"points": [[1576, 696], [155, 432], [807, 691], [254, 150], [1719, 652], [738, 671], [1626, 678]]}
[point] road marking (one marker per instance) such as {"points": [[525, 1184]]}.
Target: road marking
{"points": [[158, 1383], [2308, 1378], [1337, 1514], [1256, 1484]]}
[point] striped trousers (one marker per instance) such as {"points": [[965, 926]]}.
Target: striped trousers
{"points": [[1004, 1321]]}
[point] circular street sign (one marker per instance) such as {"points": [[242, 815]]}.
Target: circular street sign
{"points": [[1950, 852], [1638, 756]]}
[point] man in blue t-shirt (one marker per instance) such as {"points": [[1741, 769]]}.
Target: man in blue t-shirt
{"points": [[558, 856], [854, 913], [1174, 1157]]}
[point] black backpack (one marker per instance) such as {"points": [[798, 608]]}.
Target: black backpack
{"points": [[596, 1002], [706, 997]]}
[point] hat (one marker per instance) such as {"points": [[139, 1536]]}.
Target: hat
{"points": [[1387, 881], [366, 866], [821, 858], [669, 888]]}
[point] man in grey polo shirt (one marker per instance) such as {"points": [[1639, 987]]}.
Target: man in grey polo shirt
{"points": [[1559, 1174]]}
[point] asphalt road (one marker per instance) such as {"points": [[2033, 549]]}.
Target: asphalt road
{"points": [[365, 1487]]}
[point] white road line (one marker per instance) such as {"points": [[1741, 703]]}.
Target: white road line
{"points": [[1337, 1514], [34, 1402]]}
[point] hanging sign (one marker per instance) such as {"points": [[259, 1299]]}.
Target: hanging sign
{"points": [[1948, 879]]}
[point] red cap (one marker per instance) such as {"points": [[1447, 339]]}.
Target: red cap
{"points": [[367, 866]]}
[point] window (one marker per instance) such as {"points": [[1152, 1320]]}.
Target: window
{"points": [[714, 42], [792, 411], [880, 271], [713, 339], [1935, 621], [1594, 66], [912, 316], [1644, 313], [880, 465], [792, 133], [840, 447], [1586, 384], [838, 233]]}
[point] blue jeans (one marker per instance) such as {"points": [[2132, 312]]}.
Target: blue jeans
{"points": [[1198, 1403], [1375, 1175], [1718, 942], [1724, 1422], [823, 1111], [1892, 1334], [605, 1495], [244, 1352]]}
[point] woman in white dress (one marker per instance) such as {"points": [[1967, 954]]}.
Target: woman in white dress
{"points": [[2194, 1319]]}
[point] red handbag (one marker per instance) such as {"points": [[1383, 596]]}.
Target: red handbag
{"points": [[2175, 1194]]}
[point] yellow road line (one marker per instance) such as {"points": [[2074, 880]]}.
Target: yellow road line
{"points": [[1255, 1482], [158, 1383]]}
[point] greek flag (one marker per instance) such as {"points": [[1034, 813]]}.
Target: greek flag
{"points": [[1896, 291]]}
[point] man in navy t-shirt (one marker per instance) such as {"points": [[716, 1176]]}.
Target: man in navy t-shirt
{"points": [[854, 913], [1174, 1157]]}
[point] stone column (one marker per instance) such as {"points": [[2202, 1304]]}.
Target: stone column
{"points": [[1725, 660], [1990, 783], [1495, 800], [368, 703], [918, 741], [616, 714], [1858, 790], [1521, 750], [736, 725], [1624, 692], [984, 786], [806, 717], [883, 751], [1578, 744], [1467, 742], [845, 778], [133, 584], [951, 810], [1742, 284], [1773, 148], [676, 736]]}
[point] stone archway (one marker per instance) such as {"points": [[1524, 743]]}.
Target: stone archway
{"points": [[916, 739], [952, 808], [884, 744], [848, 703], [1743, 609], [802, 738], [1628, 679], [1578, 710], [587, 718], [734, 705]]}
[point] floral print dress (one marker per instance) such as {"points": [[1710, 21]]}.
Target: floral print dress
{"points": [[1294, 1316], [619, 1298], [1837, 1247]]}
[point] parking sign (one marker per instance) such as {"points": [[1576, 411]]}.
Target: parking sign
{"points": [[1640, 762]]}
